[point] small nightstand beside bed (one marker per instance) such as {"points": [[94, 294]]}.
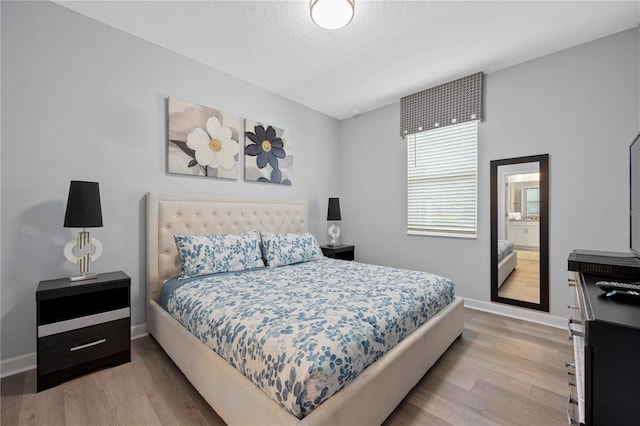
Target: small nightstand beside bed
{"points": [[306, 335], [507, 260]]}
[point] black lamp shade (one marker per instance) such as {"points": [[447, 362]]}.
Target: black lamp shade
{"points": [[333, 212], [83, 206]]}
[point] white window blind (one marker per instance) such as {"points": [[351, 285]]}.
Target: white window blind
{"points": [[442, 181]]}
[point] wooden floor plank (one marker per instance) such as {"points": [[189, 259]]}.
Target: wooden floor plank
{"points": [[408, 414], [447, 402], [517, 409], [472, 373], [12, 394], [46, 405], [503, 371]]}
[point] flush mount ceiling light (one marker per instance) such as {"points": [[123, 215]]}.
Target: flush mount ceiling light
{"points": [[332, 14]]}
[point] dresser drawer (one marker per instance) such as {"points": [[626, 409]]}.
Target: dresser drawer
{"points": [[63, 350]]}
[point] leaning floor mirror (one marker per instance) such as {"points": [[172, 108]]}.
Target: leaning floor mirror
{"points": [[520, 231]]}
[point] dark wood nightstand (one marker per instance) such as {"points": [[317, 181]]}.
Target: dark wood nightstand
{"points": [[341, 251], [82, 326]]}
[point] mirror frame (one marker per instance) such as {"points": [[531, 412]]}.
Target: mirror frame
{"points": [[543, 161]]}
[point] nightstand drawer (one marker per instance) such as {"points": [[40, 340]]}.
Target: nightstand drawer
{"points": [[68, 349]]}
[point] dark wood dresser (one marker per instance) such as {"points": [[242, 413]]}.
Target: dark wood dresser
{"points": [[605, 374], [82, 326]]}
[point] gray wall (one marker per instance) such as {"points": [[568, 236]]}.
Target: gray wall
{"points": [[579, 105], [84, 101]]}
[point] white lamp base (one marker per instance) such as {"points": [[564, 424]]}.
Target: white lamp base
{"points": [[334, 233], [90, 249], [86, 277]]}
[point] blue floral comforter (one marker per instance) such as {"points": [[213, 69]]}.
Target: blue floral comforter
{"points": [[505, 247], [302, 332]]}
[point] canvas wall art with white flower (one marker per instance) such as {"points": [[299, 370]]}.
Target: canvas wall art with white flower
{"points": [[268, 156], [202, 141]]}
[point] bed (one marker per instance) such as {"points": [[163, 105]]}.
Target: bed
{"points": [[507, 260], [367, 399]]}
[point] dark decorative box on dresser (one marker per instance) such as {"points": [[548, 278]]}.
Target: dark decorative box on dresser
{"points": [[605, 330], [82, 326], [341, 251]]}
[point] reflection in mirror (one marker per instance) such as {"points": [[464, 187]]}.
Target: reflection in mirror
{"points": [[519, 231]]}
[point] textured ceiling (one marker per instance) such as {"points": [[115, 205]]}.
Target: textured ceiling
{"points": [[390, 49]]}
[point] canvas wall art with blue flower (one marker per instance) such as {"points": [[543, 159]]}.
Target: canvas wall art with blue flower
{"points": [[202, 141], [267, 154]]}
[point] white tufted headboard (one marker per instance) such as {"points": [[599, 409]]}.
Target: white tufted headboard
{"points": [[195, 214]]}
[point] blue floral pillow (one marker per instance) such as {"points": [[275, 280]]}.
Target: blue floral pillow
{"points": [[286, 249], [210, 254]]}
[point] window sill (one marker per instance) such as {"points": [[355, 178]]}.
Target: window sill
{"points": [[443, 234]]}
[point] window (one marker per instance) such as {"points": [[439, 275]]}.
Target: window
{"points": [[442, 181]]}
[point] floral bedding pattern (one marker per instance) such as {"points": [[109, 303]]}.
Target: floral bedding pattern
{"points": [[302, 332], [505, 248], [210, 254], [287, 249]]}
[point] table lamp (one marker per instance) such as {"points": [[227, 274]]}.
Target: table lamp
{"points": [[83, 211], [333, 214]]}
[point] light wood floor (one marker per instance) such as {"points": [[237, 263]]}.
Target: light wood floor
{"points": [[503, 371], [524, 281]]}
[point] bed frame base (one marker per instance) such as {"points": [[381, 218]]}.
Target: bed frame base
{"points": [[369, 399], [506, 267]]}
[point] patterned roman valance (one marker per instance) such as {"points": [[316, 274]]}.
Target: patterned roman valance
{"points": [[454, 102]]}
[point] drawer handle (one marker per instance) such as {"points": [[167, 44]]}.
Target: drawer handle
{"points": [[572, 282], [572, 307], [88, 345], [570, 411], [568, 364], [572, 331], [570, 379]]}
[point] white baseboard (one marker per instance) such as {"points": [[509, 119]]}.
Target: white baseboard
{"points": [[138, 331], [11, 366], [519, 313]]}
